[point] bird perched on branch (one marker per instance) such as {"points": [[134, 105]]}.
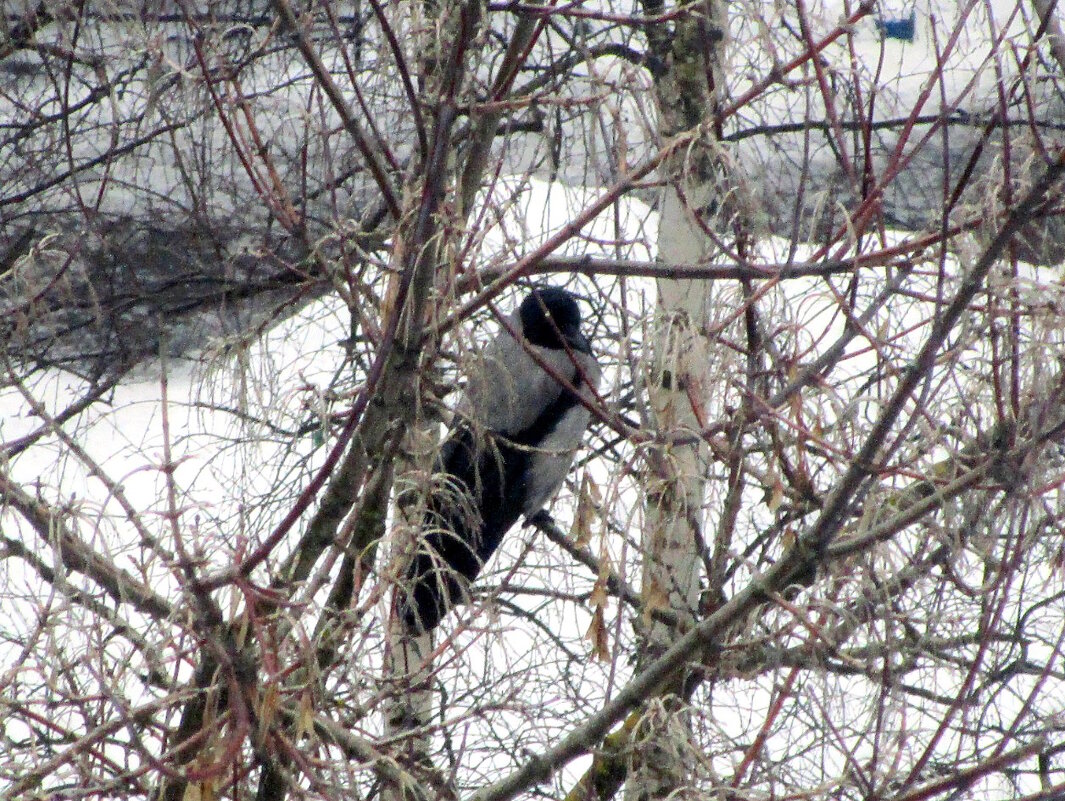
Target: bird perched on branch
{"points": [[510, 446]]}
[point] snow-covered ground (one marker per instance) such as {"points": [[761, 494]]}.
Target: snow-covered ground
{"points": [[245, 425]]}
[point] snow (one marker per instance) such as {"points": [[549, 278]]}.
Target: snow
{"points": [[230, 469]]}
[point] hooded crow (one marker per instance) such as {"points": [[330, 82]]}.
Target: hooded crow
{"points": [[511, 444]]}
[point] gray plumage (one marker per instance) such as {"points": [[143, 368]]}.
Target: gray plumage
{"points": [[515, 433]]}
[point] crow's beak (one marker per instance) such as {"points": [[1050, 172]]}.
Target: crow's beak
{"points": [[579, 342]]}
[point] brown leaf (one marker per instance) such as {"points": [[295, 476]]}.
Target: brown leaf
{"points": [[655, 598], [597, 635], [587, 504]]}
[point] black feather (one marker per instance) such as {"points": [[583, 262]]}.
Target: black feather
{"points": [[563, 325], [466, 519], [464, 523]]}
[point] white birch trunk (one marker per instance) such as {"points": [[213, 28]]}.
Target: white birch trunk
{"points": [[675, 487], [409, 667], [678, 386], [675, 484], [409, 657]]}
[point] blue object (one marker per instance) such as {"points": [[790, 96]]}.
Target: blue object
{"points": [[900, 28]]}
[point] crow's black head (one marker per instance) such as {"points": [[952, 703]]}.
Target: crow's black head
{"points": [[550, 317]]}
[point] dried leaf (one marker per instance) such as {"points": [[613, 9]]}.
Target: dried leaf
{"points": [[597, 635], [268, 707], [599, 591], [776, 494], [199, 791], [587, 504], [599, 594], [655, 598], [305, 723]]}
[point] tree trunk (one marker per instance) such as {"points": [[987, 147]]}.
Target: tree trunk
{"points": [[678, 385]]}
